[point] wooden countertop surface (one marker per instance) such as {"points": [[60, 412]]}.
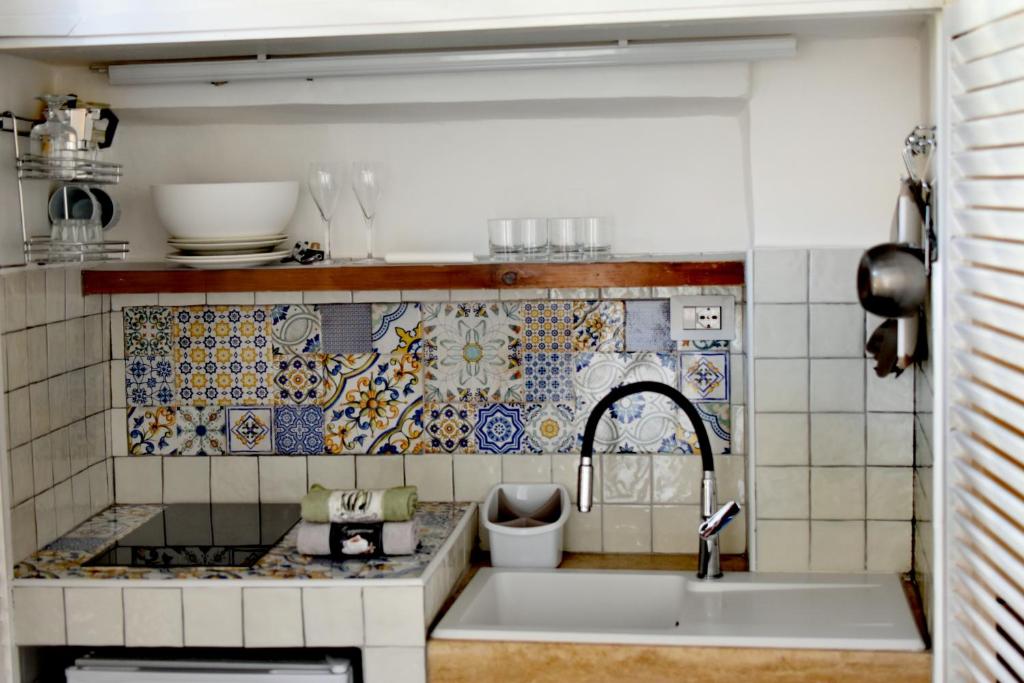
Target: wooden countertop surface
{"points": [[465, 661]]}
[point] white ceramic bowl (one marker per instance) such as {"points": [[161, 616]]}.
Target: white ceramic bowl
{"points": [[225, 210]]}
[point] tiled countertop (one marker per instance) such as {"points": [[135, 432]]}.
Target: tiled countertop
{"points": [[64, 558]]}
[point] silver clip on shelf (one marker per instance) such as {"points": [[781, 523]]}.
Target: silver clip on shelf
{"points": [[79, 169]]}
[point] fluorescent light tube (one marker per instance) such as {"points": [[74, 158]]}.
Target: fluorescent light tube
{"points": [[723, 50]]}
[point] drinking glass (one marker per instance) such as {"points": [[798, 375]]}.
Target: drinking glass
{"points": [[595, 236], [55, 138], [324, 180], [534, 234], [366, 182], [564, 234], [505, 236]]}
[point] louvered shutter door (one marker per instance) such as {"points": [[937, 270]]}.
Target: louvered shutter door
{"points": [[984, 179]]}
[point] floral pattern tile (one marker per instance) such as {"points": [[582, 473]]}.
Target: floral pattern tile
{"points": [[373, 403], [201, 430], [499, 428], [250, 430], [147, 331], [299, 430], [548, 377], [647, 326], [547, 326], [396, 328], [298, 380], [295, 329], [705, 376], [472, 352], [152, 431], [717, 419], [222, 355], [149, 381], [550, 427], [598, 326], [702, 344], [346, 328], [448, 428], [641, 423]]}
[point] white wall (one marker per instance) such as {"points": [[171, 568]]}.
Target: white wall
{"points": [[21, 81]]}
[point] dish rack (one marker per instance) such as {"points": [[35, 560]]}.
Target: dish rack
{"points": [[78, 170]]}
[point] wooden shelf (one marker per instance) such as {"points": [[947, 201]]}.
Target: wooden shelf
{"points": [[131, 278]]}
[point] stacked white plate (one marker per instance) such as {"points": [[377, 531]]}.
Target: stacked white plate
{"points": [[237, 252]]}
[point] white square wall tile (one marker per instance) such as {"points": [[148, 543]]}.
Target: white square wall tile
{"points": [[837, 493], [19, 419], [783, 546], [379, 471], [35, 338], [782, 493], [35, 297], [95, 616], [272, 617], [282, 478], [782, 439], [230, 298], [889, 546], [234, 479], [627, 478], [187, 480], [526, 469], [14, 301], [55, 309], [332, 471], [23, 530], [626, 528], [890, 439], [890, 394], [38, 616], [213, 616], [138, 479], [780, 275], [837, 439], [837, 385], [327, 297], [394, 664], [475, 475], [583, 531], [837, 546], [152, 617], [780, 385], [676, 479], [833, 275], [672, 528], [22, 487], [780, 331], [565, 471], [890, 493], [16, 351], [394, 615], [431, 475], [333, 616], [837, 331]]}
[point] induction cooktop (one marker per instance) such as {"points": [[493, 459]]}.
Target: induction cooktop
{"points": [[203, 535]]}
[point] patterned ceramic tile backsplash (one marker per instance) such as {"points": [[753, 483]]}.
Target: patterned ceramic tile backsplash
{"points": [[413, 378]]}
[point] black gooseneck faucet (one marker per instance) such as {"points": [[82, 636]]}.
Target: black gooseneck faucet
{"points": [[713, 519]]}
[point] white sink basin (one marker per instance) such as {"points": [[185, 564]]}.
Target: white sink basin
{"points": [[828, 611]]}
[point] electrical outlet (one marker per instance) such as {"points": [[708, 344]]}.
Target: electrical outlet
{"points": [[709, 318], [702, 317]]}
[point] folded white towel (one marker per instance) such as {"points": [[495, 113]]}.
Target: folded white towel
{"points": [[429, 257]]}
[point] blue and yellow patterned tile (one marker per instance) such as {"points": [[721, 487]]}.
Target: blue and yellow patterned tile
{"points": [[547, 326], [472, 352], [149, 381], [641, 423], [702, 344], [550, 427], [647, 326], [372, 403], [299, 430], [499, 428], [346, 328], [448, 428], [718, 423], [152, 431], [396, 328], [222, 355], [598, 326], [298, 380], [295, 329], [147, 331], [201, 430], [704, 376], [250, 430], [548, 377]]}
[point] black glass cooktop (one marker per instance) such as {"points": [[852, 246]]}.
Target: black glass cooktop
{"points": [[203, 535]]}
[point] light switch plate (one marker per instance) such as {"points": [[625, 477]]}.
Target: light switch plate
{"points": [[685, 317]]}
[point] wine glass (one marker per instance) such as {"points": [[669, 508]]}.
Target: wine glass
{"points": [[324, 180], [366, 181]]}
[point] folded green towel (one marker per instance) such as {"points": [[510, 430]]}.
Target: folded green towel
{"points": [[322, 505]]}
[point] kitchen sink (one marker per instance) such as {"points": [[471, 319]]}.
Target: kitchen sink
{"points": [[827, 611]]}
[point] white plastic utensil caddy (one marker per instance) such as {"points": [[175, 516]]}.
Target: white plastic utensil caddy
{"points": [[537, 546]]}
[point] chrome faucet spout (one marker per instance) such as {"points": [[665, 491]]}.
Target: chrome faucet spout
{"points": [[708, 561]]}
